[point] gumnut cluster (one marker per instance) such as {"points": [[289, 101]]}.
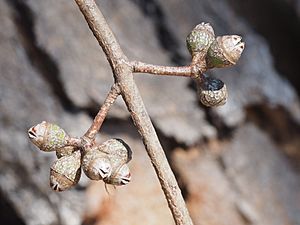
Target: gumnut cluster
{"points": [[107, 161], [212, 52]]}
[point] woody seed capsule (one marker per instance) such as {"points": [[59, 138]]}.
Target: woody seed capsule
{"points": [[224, 51], [117, 150], [121, 176], [107, 162], [212, 91], [200, 38], [96, 164], [65, 172], [47, 136]]}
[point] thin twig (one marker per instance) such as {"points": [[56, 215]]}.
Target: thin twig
{"points": [[198, 64], [140, 67], [100, 117], [123, 76]]}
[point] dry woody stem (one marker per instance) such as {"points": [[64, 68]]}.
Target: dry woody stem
{"points": [[122, 71], [100, 117], [140, 67]]}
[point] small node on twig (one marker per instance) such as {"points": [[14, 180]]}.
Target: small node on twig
{"points": [[64, 151], [65, 172]]}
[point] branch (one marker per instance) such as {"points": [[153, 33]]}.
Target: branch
{"points": [[97, 123], [140, 67], [124, 78]]}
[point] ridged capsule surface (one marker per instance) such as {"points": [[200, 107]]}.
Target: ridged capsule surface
{"points": [[96, 164], [121, 176], [47, 136], [65, 172], [212, 92], [108, 162], [117, 150], [200, 38], [224, 51]]}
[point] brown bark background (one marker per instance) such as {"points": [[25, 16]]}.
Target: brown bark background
{"points": [[237, 164]]}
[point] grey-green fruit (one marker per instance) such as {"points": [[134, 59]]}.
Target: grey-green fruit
{"points": [[108, 162], [65, 172], [117, 150], [47, 136], [224, 51], [96, 165], [120, 177], [200, 38]]}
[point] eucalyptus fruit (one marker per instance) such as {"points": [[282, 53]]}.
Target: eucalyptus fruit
{"points": [[212, 91], [107, 162], [117, 150], [96, 164], [120, 154], [47, 136], [200, 38], [65, 172], [224, 51], [121, 176]]}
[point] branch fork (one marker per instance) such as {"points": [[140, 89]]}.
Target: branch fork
{"points": [[108, 161]]}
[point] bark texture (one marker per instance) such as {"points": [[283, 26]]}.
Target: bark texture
{"points": [[237, 164]]}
